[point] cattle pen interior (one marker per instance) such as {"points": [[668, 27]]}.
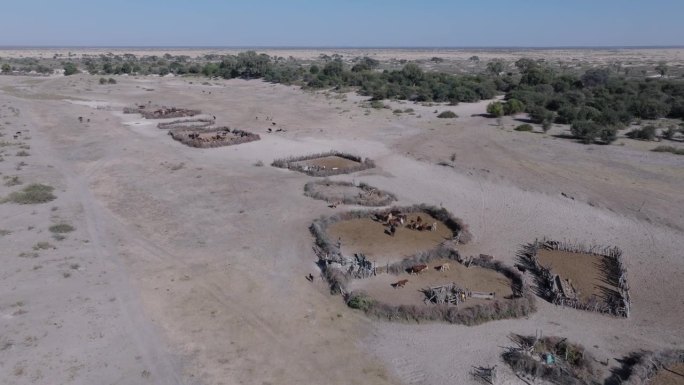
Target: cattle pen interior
{"points": [[385, 288], [372, 237], [325, 164]]}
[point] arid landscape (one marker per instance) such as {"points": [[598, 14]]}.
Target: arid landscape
{"points": [[152, 261]]}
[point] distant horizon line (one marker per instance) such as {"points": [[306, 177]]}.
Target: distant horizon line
{"points": [[256, 47]]}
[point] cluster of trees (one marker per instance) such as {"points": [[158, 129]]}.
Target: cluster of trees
{"points": [[596, 104]]}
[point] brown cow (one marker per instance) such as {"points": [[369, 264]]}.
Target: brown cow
{"points": [[401, 283], [417, 269]]}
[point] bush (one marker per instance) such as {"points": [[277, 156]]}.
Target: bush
{"points": [[645, 133], [32, 194], [61, 228], [377, 104], [103, 81], [589, 132], [524, 127], [70, 69], [360, 300], [495, 109], [513, 106], [111, 81], [670, 149], [447, 115]]}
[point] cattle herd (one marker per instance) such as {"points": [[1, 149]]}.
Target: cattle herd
{"points": [[395, 219]]}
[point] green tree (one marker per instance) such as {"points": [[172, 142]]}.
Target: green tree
{"points": [[496, 67], [70, 69], [513, 106], [6, 68]]}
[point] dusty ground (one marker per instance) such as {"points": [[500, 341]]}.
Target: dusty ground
{"points": [[583, 271], [474, 278], [369, 237], [191, 262]]}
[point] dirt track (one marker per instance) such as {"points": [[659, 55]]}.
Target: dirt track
{"points": [[194, 259]]}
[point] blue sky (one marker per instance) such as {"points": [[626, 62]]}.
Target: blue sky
{"points": [[355, 23]]}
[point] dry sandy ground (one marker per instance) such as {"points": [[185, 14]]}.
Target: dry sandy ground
{"points": [[191, 262]]}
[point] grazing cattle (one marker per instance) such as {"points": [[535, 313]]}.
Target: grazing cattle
{"points": [[401, 283], [433, 227], [393, 230], [417, 269], [80, 119], [443, 267], [334, 204], [269, 130], [273, 123], [419, 219]]}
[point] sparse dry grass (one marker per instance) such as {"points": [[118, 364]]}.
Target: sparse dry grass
{"points": [[32, 194], [11, 181]]}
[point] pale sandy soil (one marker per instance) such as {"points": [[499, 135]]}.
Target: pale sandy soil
{"points": [[191, 262]]}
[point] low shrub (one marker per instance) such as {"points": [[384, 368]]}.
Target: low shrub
{"points": [[670, 149], [524, 127], [360, 300], [447, 115], [645, 133], [62, 228], [32, 194]]}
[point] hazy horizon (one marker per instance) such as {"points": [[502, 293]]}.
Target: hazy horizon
{"points": [[347, 24]]}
